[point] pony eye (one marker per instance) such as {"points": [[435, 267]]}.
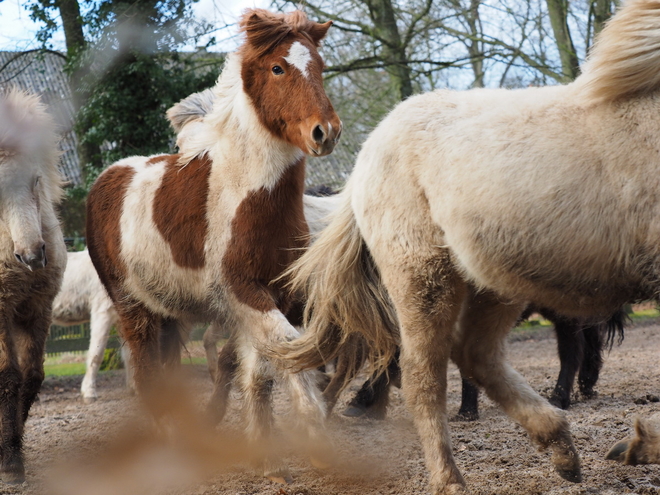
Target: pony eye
{"points": [[277, 70]]}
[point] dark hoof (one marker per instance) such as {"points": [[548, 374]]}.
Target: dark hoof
{"points": [[572, 475], [465, 416], [560, 402], [618, 451], [354, 412], [13, 476]]}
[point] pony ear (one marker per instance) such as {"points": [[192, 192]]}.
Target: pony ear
{"points": [[644, 429], [318, 31]]}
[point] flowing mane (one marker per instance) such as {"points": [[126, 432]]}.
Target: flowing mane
{"points": [[625, 60]]}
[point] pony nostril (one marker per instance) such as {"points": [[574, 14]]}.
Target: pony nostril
{"points": [[318, 134], [19, 258]]}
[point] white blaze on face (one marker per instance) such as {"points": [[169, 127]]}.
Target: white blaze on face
{"points": [[299, 57]]}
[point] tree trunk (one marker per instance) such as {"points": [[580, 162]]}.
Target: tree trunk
{"points": [[602, 12], [558, 11], [88, 154], [475, 48], [394, 53]]}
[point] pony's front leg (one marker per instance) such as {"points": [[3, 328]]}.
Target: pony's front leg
{"points": [[427, 297], [256, 379], [100, 323], [11, 455], [307, 399], [480, 354]]}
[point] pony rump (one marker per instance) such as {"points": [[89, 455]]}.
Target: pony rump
{"points": [[265, 29], [348, 311], [625, 60]]}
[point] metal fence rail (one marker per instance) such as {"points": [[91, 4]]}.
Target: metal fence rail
{"points": [[76, 338]]}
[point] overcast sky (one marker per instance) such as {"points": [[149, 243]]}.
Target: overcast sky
{"points": [[17, 31]]}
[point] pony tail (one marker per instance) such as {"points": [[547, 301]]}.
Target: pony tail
{"points": [[348, 311], [625, 60]]}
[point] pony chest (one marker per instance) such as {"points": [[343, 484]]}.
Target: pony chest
{"points": [[267, 233]]}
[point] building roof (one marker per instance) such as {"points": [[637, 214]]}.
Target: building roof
{"points": [[42, 72]]}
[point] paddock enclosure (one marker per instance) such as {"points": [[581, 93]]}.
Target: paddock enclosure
{"points": [[373, 457]]}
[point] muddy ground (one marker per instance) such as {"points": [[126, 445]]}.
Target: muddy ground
{"points": [[65, 436]]}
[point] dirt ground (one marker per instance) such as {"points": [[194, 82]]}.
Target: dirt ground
{"points": [[373, 457]]}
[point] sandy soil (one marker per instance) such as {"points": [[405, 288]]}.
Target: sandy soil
{"points": [[373, 457]]}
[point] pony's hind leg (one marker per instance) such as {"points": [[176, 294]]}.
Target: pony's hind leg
{"points": [[469, 409], [226, 367], [427, 294], [592, 360], [480, 354], [141, 331], [100, 325], [373, 397], [210, 340], [570, 347]]}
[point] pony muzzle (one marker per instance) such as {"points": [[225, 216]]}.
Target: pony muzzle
{"points": [[34, 258], [323, 138]]}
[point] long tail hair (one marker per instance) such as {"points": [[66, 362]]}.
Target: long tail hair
{"points": [[348, 311], [625, 60]]}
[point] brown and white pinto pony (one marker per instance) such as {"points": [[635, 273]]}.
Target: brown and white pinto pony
{"points": [[32, 260], [464, 206], [202, 236]]}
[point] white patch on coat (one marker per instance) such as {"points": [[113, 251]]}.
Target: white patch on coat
{"points": [[299, 57]]}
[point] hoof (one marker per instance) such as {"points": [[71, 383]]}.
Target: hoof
{"points": [[572, 475], [618, 451], [89, 400], [354, 412], [280, 476], [320, 463], [465, 416], [560, 402], [566, 459], [281, 480], [13, 476]]}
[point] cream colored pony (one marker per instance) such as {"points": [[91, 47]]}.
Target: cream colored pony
{"points": [[464, 206], [32, 260]]}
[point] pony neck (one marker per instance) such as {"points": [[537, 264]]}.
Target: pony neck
{"points": [[234, 137]]}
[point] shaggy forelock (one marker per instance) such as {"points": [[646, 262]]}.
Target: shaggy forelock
{"points": [[265, 30]]}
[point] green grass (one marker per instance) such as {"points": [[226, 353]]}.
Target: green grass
{"points": [[52, 368], [64, 369], [645, 314]]}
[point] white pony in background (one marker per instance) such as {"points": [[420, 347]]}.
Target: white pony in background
{"points": [[83, 299]]}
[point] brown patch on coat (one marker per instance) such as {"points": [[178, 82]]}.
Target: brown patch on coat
{"points": [[180, 209], [156, 159], [105, 203], [268, 233]]}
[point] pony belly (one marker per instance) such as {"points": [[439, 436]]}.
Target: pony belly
{"points": [[173, 292]]}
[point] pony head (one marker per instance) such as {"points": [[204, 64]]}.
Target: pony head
{"points": [[282, 75], [28, 173]]}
